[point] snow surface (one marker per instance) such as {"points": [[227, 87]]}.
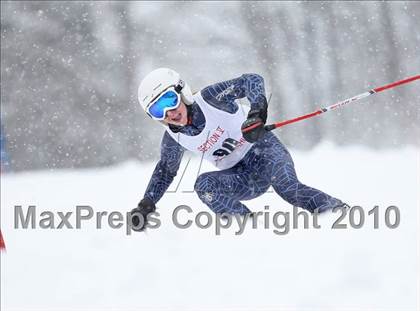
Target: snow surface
{"points": [[193, 269]]}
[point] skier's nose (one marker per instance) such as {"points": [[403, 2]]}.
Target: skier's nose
{"points": [[171, 113]]}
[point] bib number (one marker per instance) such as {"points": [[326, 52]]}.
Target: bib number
{"points": [[229, 144]]}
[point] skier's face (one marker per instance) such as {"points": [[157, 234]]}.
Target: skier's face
{"points": [[177, 116]]}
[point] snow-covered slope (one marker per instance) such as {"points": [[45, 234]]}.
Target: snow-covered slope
{"points": [[173, 269]]}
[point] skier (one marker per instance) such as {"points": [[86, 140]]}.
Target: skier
{"points": [[210, 123]]}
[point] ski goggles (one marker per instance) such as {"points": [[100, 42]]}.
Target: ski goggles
{"points": [[167, 100]]}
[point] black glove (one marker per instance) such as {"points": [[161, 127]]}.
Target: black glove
{"points": [[139, 214], [253, 127]]}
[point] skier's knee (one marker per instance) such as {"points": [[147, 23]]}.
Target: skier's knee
{"points": [[201, 184], [205, 186]]}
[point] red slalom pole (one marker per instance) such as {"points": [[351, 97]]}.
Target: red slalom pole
{"points": [[342, 103], [2, 244]]}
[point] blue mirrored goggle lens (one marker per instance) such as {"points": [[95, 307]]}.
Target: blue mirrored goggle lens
{"points": [[167, 101]]}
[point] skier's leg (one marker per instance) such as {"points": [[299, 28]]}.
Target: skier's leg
{"points": [[286, 184], [222, 190], [277, 164]]}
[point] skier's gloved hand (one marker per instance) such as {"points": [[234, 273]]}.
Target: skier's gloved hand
{"points": [[253, 127], [261, 112], [139, 214]]}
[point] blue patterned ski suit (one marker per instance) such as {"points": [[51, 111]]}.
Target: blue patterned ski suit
{"points": [[267, 163]]}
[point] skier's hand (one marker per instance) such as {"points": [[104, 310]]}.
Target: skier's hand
{"points": [[253, 127], [140, 213]]}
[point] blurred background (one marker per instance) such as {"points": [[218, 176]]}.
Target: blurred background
{"points": [[70, 72]]}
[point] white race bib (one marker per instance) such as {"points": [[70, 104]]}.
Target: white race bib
{"points": [[221, 141]]}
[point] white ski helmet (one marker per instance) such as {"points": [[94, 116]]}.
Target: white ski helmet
{"points": [[160, 80]]}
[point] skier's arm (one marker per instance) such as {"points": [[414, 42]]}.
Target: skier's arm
{"points": [[222, 95], [166, 169], [163, 175]]}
